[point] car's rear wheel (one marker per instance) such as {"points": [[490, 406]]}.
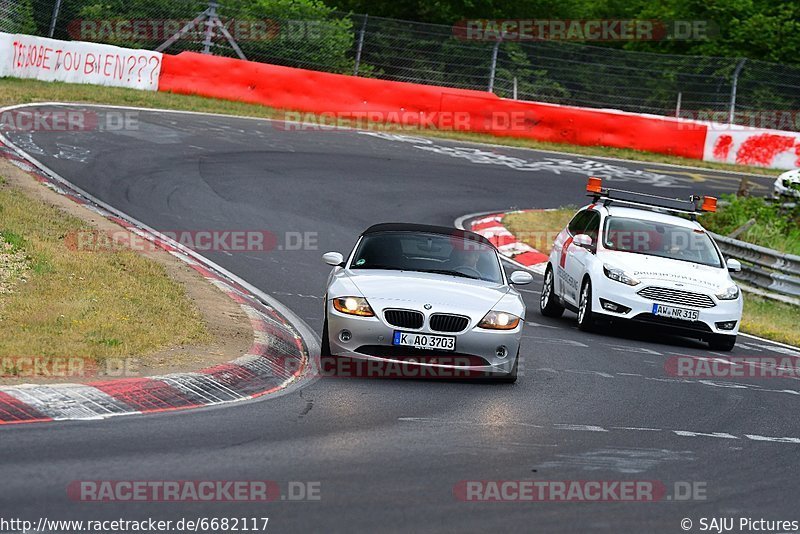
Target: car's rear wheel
{"points": [[548, 302], [585, 316], [722, 342]]}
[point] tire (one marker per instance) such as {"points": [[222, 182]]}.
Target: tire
{"points": [[549, 305], [722, 342], [511, 377], [325, 343], [585, 316]]}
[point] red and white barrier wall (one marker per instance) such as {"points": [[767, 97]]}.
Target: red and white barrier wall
{"points": [[460, 109], [50, 60], [752, 146]]}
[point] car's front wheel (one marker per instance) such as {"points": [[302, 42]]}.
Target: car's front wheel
{"points": [[548, 302], [511, 377], [325, 343], [722, 342], [585, 318]]}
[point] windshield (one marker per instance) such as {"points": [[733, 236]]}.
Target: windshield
{"points": [[428, 253], [659, 239]]}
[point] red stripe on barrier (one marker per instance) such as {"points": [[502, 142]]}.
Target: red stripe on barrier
{"points": [[322, 92]]}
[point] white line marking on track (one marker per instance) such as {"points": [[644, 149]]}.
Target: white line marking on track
{"points": [[688, 434], [756, 437], [596, 428], [637, 350], [539, 325], [556, 341], [580, 428]]}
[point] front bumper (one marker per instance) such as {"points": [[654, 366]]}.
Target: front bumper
{"points": [[640, 310], [475, 352]]}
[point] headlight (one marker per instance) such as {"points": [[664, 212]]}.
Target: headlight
{"points": [[732, 293], [353, 306], [618, 275], [497, 320]]}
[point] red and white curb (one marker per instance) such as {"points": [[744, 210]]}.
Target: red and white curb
{"points": [[277, 359], [492, 228]]}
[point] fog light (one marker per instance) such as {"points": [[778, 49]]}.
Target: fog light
{"points": [[501, 351], [345, 336], [613, 306], [726, 325]]}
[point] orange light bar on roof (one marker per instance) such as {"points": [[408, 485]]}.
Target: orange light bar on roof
{"points": [[595, 185], [709, 204]]}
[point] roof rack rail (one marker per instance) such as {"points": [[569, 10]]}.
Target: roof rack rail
{"points": [[692, 206]]}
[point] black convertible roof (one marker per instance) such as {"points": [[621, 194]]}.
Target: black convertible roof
{"points": [[426, 229]]}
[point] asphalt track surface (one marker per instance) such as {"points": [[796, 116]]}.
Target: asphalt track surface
{"points": [[388, 453]]}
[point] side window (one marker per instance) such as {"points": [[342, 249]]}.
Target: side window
{"points": [[578, 223], [593, 227]]}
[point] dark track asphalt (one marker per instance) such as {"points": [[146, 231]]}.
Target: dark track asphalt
{"points": [[388, 453]]}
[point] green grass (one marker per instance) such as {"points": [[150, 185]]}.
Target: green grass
{"points": [[771, 320], [538, 228], [16, 241], [93, 305], [15, 91], [762, 317], [775, 227]]}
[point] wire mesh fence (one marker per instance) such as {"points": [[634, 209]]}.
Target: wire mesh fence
{"points": [[313, 37], [16, 17]]}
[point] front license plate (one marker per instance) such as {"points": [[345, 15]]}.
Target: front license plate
{"points": [[424, 341], [684, 314]]}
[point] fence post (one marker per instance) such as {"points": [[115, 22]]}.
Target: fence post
{"points": [[360, 44], [56, 9], [678, 105], [212, 13], [493, 68], [515, 88], [734, 85]]}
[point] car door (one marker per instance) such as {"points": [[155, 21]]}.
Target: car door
{"points": [[578, 258], [566, 284]]}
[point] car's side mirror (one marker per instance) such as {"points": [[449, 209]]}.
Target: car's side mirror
{"points": [[582, 240], [733, 265], [521, 278], [334, 259]]}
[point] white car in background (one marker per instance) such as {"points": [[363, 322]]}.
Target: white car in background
{"points": [[646, 260], [788, 185]]}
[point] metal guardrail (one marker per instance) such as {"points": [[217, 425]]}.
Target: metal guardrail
{"points": [[762, 267]]}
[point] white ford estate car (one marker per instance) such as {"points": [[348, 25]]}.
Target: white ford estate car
{"points": [[644, 259]]}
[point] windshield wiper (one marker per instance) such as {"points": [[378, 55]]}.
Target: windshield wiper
{"points": [[448, 272]]}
